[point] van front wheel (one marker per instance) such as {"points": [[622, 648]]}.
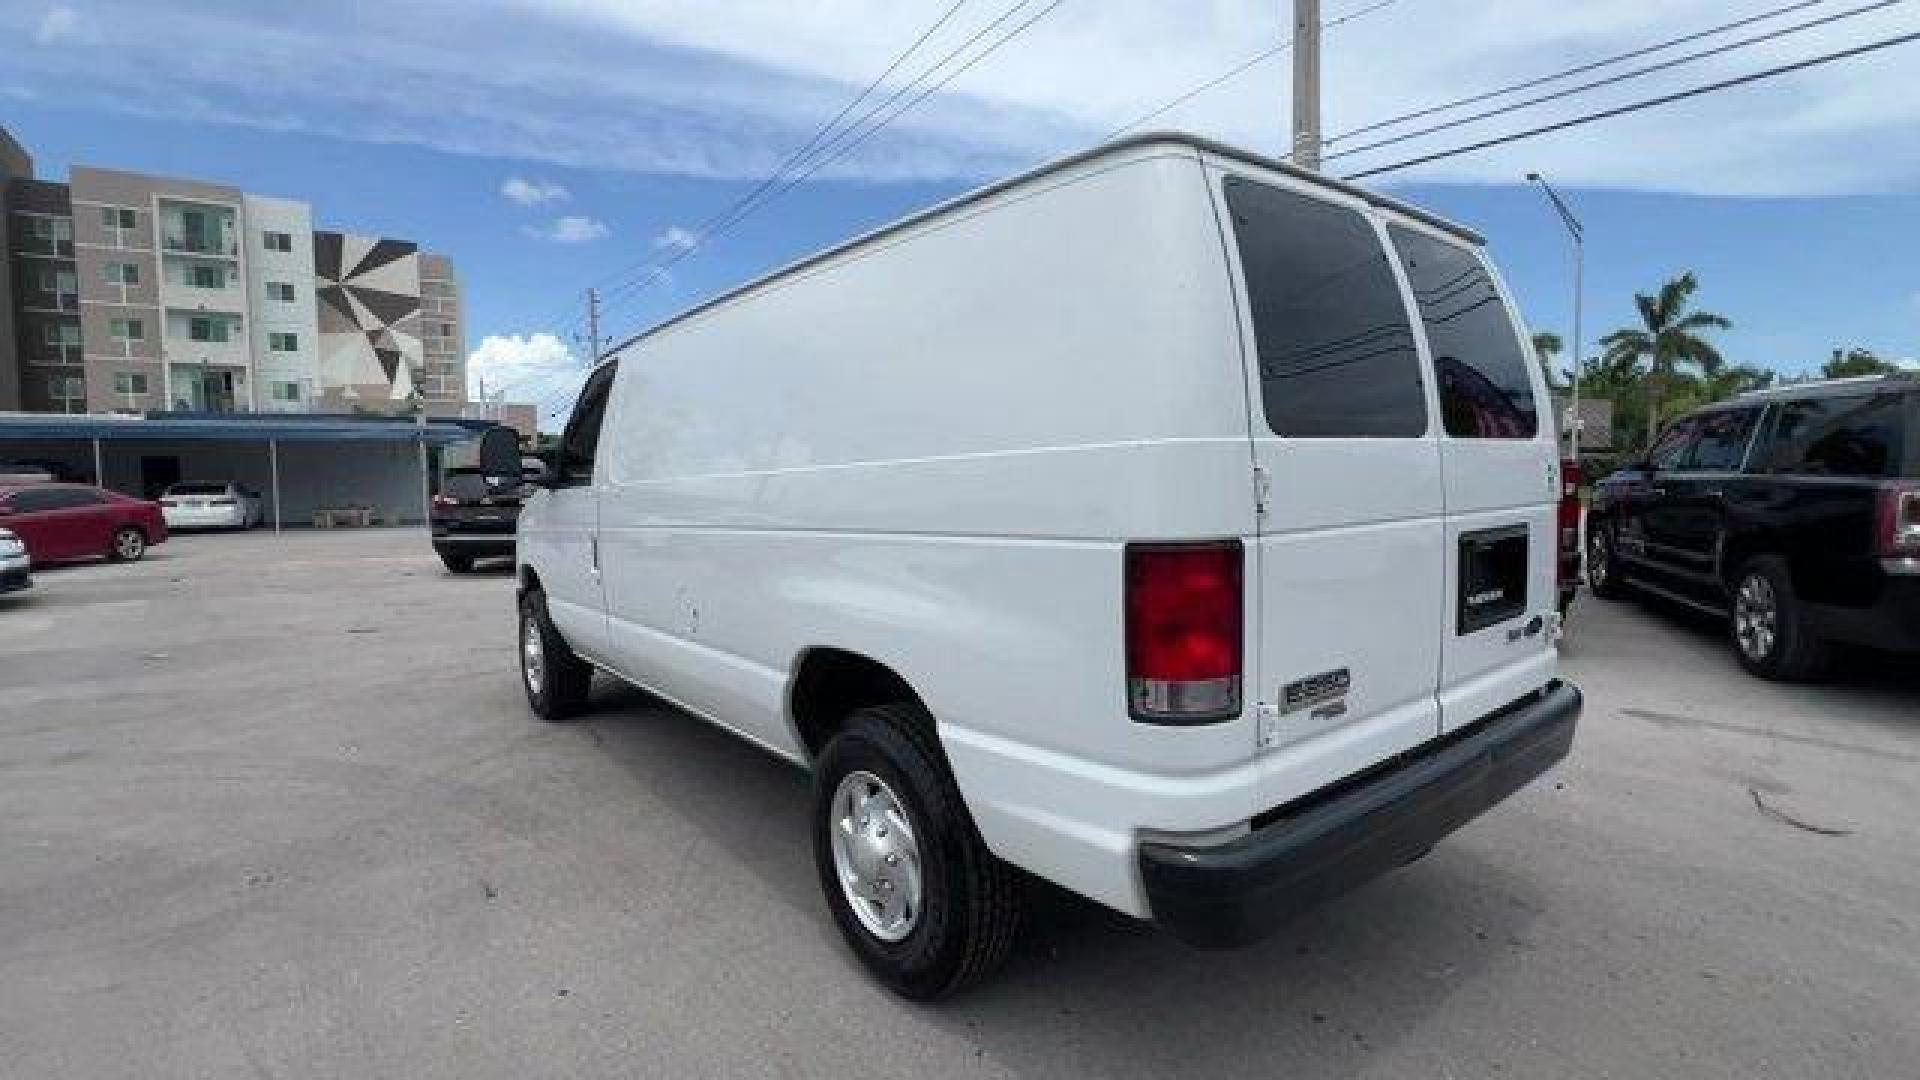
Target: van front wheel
{"points": [[923, 903]]}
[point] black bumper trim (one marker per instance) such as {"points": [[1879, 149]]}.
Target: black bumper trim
{"points": [[1218, 897]]}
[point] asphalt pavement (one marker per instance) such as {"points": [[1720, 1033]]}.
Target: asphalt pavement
{"points": [[275, 807]]}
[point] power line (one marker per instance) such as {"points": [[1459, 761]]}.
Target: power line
{"points": [[724, 222], [795, 156], [1242, 68], [1624, 76], [1582, 69], [813, 141], [1664, 99], [828, 158]]}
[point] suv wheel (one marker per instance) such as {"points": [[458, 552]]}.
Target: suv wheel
{"points": [[1603, 567], [129, 544], [923, 903], [556, 679], [1770, 633]]}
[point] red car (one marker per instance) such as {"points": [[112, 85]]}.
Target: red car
{"points": [[65, 522]]}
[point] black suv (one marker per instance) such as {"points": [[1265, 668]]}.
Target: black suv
{"points": [[474, 517], [1793, 511]]}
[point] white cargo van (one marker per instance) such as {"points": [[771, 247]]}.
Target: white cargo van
{"points": [[1167, 522]]}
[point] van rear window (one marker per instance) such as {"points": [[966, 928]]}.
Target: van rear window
{"points": [[1336, 352], [1486, 386]]}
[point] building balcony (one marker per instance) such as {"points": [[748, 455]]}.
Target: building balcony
{"points": [[198, 245]]}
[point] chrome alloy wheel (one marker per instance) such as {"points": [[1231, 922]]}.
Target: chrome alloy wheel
{"points": [[533, 657], [1599, 560], [1756, 617], [129, 544], [875, 856]]}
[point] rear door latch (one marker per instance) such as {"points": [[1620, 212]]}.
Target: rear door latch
{"points": [[1267, 725]]}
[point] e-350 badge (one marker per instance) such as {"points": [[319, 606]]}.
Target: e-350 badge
{"points": [[1315, 690]]}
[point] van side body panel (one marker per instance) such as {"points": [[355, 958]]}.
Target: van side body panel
{"points": [[961, 515]]}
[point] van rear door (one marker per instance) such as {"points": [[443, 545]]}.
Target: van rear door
{"points": [[1346, 567], [1501, 470]]}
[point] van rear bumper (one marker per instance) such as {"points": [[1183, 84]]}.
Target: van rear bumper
{"points": [[1231, 894]]}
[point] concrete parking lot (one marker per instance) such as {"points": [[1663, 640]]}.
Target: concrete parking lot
{"points": [[275, 807]]}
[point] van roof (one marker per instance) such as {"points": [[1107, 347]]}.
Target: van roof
{"points": [[1196, 142]]}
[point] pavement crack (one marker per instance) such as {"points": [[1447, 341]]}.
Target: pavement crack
{"points": [[1768, 810]]}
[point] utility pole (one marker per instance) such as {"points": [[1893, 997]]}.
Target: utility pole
{"points": [[1578, 233], [1306, 84], [593, 327]]}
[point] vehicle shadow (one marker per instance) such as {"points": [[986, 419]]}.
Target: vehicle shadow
{"points": [[1090, 991]]}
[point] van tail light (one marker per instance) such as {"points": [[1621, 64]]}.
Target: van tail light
{"points": [[1569, 521], [1897, 531], [1183, 610]]}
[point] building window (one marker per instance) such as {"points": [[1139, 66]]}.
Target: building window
{"points": [[116, 217], [208, 277], [277, 241], [126, 330], [281, 291], [58, 282], [286, 391], [129, 382], [62, 334], [203, 328], [119, 273], [67, 387], [283, 342]]}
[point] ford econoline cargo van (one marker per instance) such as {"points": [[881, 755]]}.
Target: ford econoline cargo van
{"points": [[1167, 522]]}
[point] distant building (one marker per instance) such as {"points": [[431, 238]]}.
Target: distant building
{"points": [[121, 292]]}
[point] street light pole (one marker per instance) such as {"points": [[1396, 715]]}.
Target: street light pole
{"points": [[1578, 233]]}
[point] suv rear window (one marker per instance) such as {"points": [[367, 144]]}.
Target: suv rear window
{"points": [[1854, 435], [1486, 382], [1336, 352], [1722, 445]]}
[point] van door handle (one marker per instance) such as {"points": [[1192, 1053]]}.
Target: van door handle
{"points": [[593, 554]]}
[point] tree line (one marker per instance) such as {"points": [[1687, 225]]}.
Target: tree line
{"points": [[1668, 364]]}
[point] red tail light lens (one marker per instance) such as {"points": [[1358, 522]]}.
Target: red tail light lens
{"points": [[1898, 530], [1183, 607]]}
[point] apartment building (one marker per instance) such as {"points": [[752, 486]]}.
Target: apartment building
{"points": [[134, 293]]}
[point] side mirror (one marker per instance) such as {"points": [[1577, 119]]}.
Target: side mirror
{"points": [[500, 452]]}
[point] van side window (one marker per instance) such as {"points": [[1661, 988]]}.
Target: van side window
{"points": [[1722, 445], [1486, 380], [1336, 353], [582, 439], [1855, 435]]}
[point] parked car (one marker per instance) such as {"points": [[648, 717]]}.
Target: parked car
{"points": [[473, 515], [211, 506], [1127, 523], [15, 565], [69, 522], [1794, 512]]}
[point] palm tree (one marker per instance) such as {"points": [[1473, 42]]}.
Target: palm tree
{"points": [[1546, 346], [1669, 337]]}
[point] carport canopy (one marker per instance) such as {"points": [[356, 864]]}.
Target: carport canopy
{"points": [[269, 429]]}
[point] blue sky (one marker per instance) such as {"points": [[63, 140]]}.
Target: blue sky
{"points": [[621, 125]]}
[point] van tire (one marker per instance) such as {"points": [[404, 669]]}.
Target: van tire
{"points": [[559, 692], [970, 899], [1795, 652], [1603, 563]]}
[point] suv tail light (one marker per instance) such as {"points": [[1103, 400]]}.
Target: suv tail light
{"points": [[1183, 608], [1897, 531]]}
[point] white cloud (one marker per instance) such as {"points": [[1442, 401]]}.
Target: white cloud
{"points": [[525, 367], [570, 229], [677, 238], [532, 192], [667, 88], [59, 22]]}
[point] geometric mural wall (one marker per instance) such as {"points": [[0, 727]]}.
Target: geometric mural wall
{"points": [[369, 306]]}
